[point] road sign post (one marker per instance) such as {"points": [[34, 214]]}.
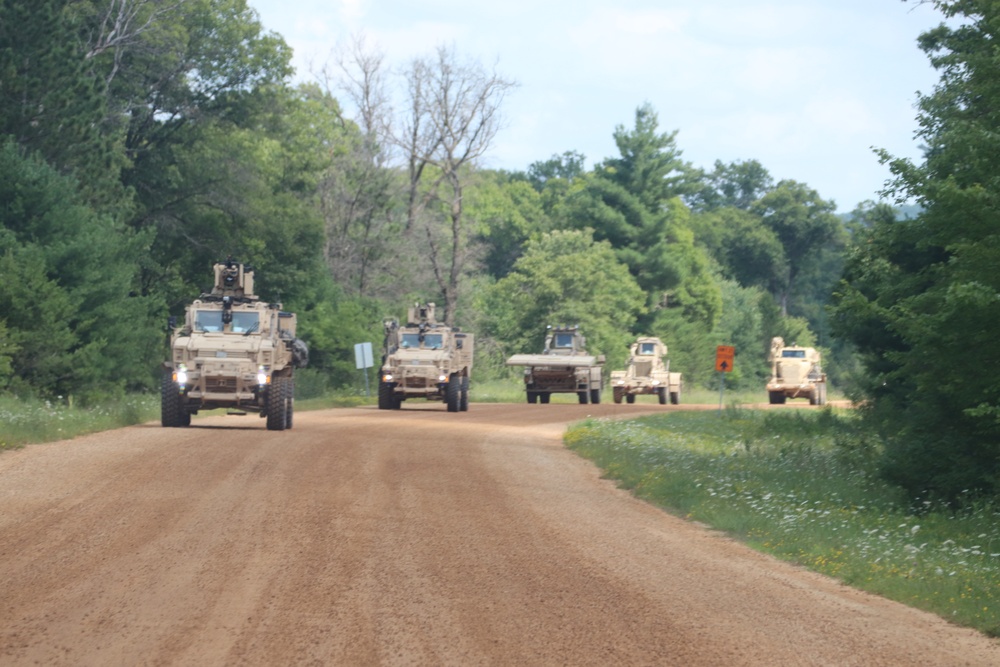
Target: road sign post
{"points": [[363, 360], [724, 355]]}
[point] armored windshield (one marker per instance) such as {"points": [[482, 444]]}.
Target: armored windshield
{"points": [[208, 320], [245, 322], [793, 354], [412, 340], [647, 348], [562, 340]]}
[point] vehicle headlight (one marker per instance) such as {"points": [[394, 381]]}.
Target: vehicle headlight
{"points": [[621, 382], [181, 375], [262, 376], [656, 382], [387, 377], [442, 378]]}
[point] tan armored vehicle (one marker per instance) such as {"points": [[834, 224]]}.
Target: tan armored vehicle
{"points": [[233, 351], [425, 358], [564, 366], [795, 373], [647, 373]]}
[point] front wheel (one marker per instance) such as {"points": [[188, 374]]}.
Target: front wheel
{"points": [[463, 401], [661, 395], [277, 411], [776, 397], [617, 394], [453, 393], [172, 412], [595, 396], [675, 397]]}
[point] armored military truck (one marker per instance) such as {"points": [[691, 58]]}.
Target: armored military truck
{"points": [[796, 372], [564, 366], [232, 351], [424, 358], [648, 372]]}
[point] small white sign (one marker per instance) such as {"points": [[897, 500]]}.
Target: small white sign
{"points": [[363, 355]]}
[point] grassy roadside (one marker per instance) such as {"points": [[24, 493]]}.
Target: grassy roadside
{"points": [[800, 485]]}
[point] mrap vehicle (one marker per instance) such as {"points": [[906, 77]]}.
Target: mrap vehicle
{"points": [[564, 366]]}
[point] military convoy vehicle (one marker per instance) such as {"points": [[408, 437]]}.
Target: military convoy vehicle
{"points": [[233, 351], [564, 366], [424, 358], [795, 373], [647, 373]]}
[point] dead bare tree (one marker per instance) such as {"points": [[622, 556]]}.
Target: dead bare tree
{"points": [[453, 117], [122, 24]]}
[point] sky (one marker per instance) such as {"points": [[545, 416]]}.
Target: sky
{"points": [[808, 88]]}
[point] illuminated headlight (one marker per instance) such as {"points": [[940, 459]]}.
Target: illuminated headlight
{"points": [[442, 378], [655, 382], [262, 377], [181, 375], [621, 382], [387, 377]]}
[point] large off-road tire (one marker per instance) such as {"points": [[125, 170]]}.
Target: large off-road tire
{"points": [[532, 396], [463, 402], [172, 412], [384, 395], [675, 397], [277, 415], [453, 394], [544, 397], [289, 402], [582, 395], [616, 394], [661, 395], [595, 396], [630, 398], [776, 397]]}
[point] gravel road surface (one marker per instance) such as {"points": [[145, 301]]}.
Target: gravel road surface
{"points": [[409, 537]]}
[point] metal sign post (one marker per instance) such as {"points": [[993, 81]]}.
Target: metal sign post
{"points": [[724, 355], [363, 361]]}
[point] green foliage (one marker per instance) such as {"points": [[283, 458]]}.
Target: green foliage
{"points": [[802, 486], [565, 277], [919, 296], [68, 306]]}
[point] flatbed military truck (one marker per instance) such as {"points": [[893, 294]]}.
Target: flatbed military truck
{"points": [[232, 351], [648, 372], [564, 366], [796, 372], [424, 358]]}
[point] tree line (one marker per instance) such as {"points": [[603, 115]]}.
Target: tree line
{"points": [[143, 140]]}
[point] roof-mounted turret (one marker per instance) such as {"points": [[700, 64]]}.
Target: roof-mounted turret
{"points": [[234, 280]]}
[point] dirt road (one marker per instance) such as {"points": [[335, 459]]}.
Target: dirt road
{"points": [[411, 537]]}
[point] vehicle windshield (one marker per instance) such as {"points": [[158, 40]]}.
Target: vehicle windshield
{"points": [[793, 354], [562, 340], [244, 322], [208, 320], [412, 340], [647, 348]]}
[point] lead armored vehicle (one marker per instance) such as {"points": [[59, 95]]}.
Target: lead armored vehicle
{"points": [[232, 351]]}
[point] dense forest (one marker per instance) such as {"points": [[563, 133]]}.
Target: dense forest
{"points": [[141, 141]]}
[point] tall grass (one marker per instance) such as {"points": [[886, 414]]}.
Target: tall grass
{"points": [[24, 421], [801, 486]]}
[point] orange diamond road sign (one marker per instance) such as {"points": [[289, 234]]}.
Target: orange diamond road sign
{"points": [[724, 358]]}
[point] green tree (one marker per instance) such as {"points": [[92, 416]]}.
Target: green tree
{"points": [[69, 304], [919, 297], [564, 277], [803, 223]]}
